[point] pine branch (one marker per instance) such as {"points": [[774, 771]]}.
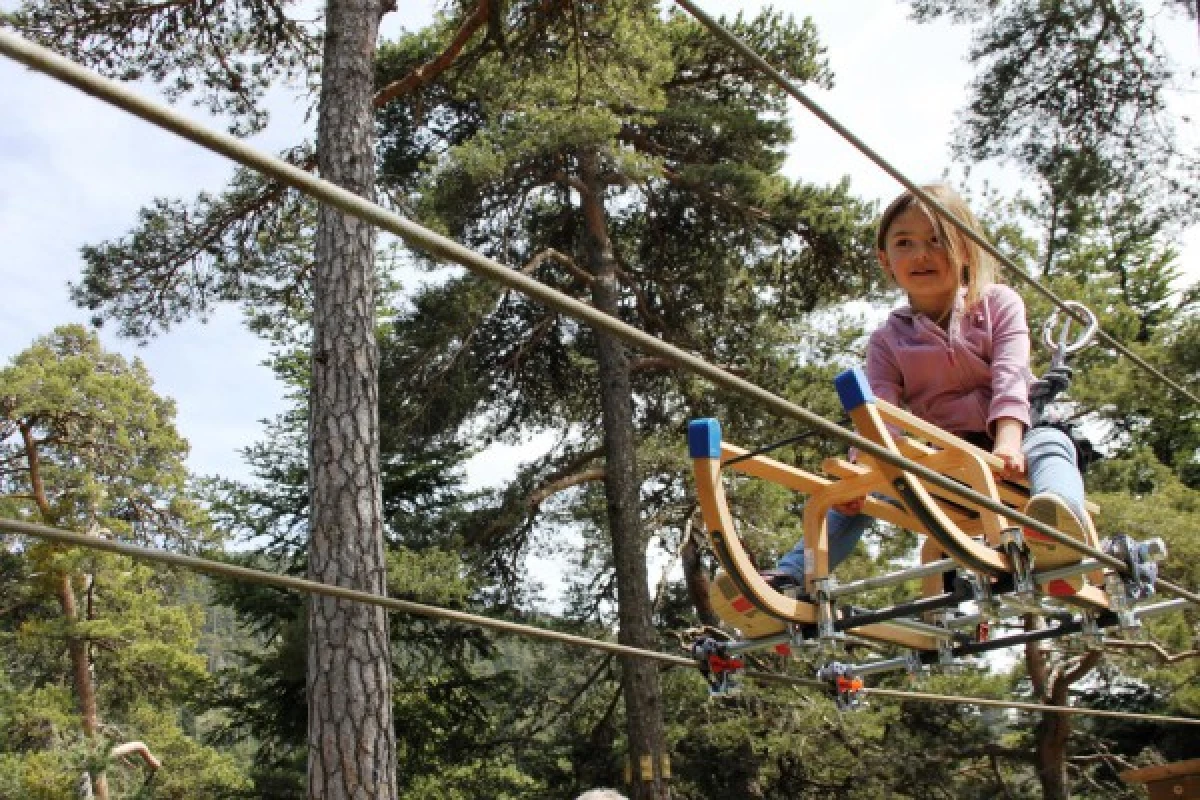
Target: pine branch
{"points": [[139, 749], [564, 707], [535, 500], [999, 751], [1158, 650], [995, 762], [550, 253], [431, 69]]}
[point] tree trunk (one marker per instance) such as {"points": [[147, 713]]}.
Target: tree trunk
{"points": [[77, 648], [698, 585], [350, 735], [639, 677], [81, 674], [1052, 733]]}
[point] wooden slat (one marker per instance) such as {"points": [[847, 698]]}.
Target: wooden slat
{"points": [[774, 471], [870, 424]]}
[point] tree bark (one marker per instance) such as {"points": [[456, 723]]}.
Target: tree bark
{"points": [[81, 674], [639, 677], [350, 735], [1051, 735]]}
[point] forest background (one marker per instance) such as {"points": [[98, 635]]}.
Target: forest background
{"points": [[242, 735]]}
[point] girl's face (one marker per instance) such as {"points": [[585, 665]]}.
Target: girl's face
{"points": [[916, 258]]}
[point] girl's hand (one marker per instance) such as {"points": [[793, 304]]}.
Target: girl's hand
{"points": [[1009, 433], [850, 508], [1013, 458]]}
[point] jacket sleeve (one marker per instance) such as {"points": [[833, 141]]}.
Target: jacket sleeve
{"points": [[883, 372], [1010, 356]]}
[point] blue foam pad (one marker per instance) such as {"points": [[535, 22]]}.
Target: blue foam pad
{"points": [[853, 389], [704, 438]]}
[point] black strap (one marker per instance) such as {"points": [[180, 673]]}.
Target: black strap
{"points": [[800, 437]]}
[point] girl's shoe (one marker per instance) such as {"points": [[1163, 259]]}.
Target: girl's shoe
{"points": [[1052, 510]]}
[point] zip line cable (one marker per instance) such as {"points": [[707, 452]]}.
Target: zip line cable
{"points": [[758, 61], [63, 69], [291, 583], [926, 697]]}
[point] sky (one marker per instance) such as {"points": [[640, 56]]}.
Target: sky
{"points": [[74, 171]]}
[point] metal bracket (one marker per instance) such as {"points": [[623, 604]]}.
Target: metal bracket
{"points": [[1090, 633], [799, 642], [826, 618], [1118, 597], [1120, 602], [1140, 559], [916, 669], [847, 686], [945, 645], [718, 667], [1012, 541], [981, 593]]}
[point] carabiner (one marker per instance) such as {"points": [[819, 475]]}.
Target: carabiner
{"points": [[1061, 349]]}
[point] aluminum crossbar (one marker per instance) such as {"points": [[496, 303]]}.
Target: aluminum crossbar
{"points": [[893, 578]]}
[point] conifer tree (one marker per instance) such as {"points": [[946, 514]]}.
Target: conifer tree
{"points": [[86, 444], [633, 164], [228, 57]]}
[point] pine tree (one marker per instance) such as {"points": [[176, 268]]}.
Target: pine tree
{"points": [[242, 50], [626, 160], [86, 444]]}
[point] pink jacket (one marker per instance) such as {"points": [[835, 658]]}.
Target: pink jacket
{"points": [[962, 380]]}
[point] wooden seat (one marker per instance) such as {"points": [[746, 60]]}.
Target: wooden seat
{"points": [[954, 526]]}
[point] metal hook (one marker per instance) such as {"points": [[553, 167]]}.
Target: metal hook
{"points": [[1061, 349]]}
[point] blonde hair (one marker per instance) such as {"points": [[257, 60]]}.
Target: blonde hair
{"points": [[979, 269]]}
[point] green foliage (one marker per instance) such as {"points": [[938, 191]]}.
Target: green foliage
{"points": [[691, 143], [108, 451], [44, 775], [785, 744], [225, 56], [252, 242], [190, 769], [1145, 500], [471, 780], [1075, 92]]}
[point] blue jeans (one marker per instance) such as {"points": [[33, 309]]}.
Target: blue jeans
{"points": [[1050, 467]]}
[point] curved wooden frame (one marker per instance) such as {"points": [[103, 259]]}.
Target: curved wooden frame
{"points": [[736, 561]]}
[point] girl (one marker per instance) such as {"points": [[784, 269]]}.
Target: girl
{"points": [[957, 356]]}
